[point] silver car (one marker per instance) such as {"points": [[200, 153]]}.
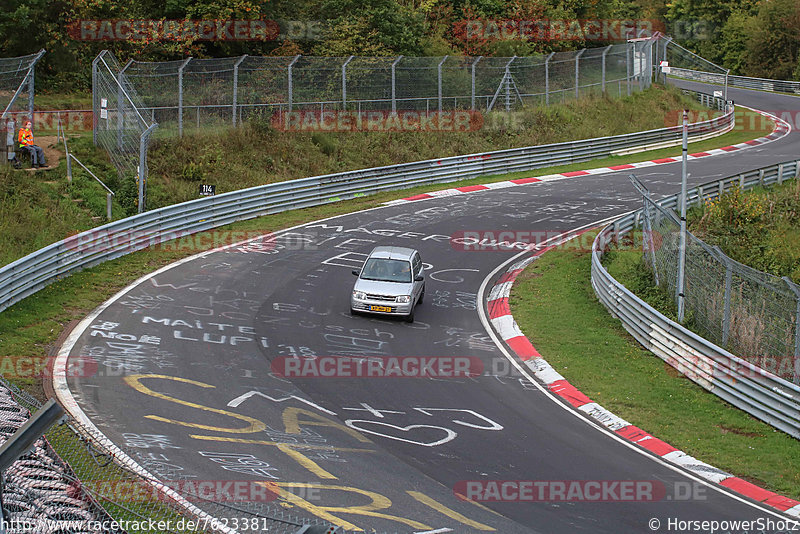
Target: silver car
{"points": [[390, 283]]}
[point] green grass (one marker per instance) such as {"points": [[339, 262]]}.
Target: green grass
{"points": [[258, 154], [34, 213], [760, 228], [555, 306], [47, 101]]}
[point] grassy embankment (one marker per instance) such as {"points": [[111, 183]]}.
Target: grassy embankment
{"points": [[556, 307], [38, 209]]}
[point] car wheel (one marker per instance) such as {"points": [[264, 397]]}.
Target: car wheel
{"points": [[422, 295], [410, 317], [353, 312]]}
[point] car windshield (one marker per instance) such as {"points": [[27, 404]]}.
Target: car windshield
{"points": [[385, 270]]}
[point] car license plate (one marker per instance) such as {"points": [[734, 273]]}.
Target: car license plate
{"points": [[380, 308]]}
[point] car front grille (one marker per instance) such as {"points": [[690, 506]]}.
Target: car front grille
{"points": [[384, 298]]}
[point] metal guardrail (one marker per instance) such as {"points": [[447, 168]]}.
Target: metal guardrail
{"points": [[38, 269], [758, 392], [744, 82]]}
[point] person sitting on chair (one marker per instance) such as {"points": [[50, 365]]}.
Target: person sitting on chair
{"points": [[26, 142]]}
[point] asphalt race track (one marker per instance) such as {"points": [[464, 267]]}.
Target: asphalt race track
{"points": [[185, 359]]}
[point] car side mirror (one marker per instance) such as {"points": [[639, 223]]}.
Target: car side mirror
{"points": [[355, 272], [419, 278]]}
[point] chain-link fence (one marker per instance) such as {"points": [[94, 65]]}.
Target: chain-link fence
{"points": [[16, 99], [130, 102], [204, 93], [120, 125], [17, 84], [70, 482], [752, 314]]}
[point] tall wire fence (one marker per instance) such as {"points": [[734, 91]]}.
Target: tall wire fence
{"points": [[752, 314], [201, 93], [17, 84], [17, 90], [120, 126], [130, 101]]}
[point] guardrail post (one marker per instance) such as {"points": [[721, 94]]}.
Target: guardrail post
{"points": [[344, 83], [741, 182], [236, 85], [577, 72], [796, 290], [394, 84], [761, 177], [180, 95], [474, 64], [439, 84], [108, 206], [289, 69], [547, 79], [780, 174], [603, 76]]}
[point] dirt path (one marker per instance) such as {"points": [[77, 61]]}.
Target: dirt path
{"points": [[51, 153]]}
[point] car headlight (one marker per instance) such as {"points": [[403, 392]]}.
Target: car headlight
{"points": [[404, 299], [359, 295]]}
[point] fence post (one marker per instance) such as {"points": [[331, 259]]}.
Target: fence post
{"points": [[508, 83], [628, 67], [577, 71], [394, 84], [236, 86], [605, 52], [725, 95], [474, 64], [95, 102], [439, 71], [143, 142], [120, 100], [108, 206], [289, 68], [726, 314], [796, 290], [680, 288], [31, 90], [547, 79], [344, 83], [180, 95], [780, 174]]}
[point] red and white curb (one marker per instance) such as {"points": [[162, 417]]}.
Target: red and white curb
{"points": [[506, 327], [782, 128]]}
